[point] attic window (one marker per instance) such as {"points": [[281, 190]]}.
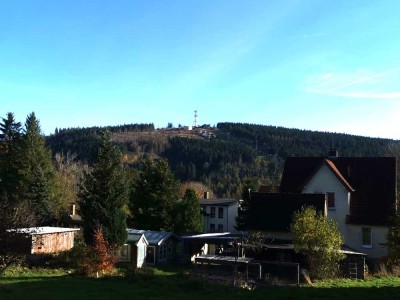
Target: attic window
{"points": [[330, 196]]}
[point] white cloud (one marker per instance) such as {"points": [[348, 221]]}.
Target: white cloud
{"points": [[362, 83]]}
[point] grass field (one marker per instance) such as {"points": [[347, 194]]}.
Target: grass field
{"points": [[48, 284]]}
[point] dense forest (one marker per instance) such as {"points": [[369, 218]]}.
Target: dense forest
{"points": [[227, 159], [83, 142]]}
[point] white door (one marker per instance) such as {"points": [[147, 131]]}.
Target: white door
{"points": [[141, 255]]}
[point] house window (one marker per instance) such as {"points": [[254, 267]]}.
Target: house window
{"points": [[163, 252], [212, 213], [124, 253], [212, 227], [366, 237], [330, 196], [220, 227], [220, 212]]}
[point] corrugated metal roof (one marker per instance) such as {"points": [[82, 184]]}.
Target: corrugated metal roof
{"points": [[153, 237], [43, 230]]}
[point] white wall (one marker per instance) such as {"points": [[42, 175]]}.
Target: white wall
{"points": [[379, 238], [325, 181], [228, 221]]}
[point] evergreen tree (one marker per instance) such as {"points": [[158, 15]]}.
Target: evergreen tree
{"points": [[189, 217], [241, 218], [154, 196], [103, 195], [38, 184], [10, 143]]}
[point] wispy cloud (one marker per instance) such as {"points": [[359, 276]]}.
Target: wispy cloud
{"points": [[358, 84]]}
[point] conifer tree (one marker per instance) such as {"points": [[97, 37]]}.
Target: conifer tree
{"points": [[154, 196], [10, 143], [103, 195], [189, 217], [37, 172]]}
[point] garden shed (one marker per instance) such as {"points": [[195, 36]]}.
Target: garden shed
{"points": [[43, 240], [133, 252], [161, 248]]}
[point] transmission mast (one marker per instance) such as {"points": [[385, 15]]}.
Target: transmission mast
{"points": [[195, 119]]}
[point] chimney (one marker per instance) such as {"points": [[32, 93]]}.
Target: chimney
{"points": [[333, 153], [206, 195], [73, 210]]}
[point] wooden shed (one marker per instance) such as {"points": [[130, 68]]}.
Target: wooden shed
{"points": [[133, 252], [44, 240], [161, 248]]}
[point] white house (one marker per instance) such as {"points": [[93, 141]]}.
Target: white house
{"points": [[360, 195], [219, 215]]}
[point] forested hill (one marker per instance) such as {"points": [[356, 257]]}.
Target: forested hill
{"points": [[225, 158], [285, 142]]}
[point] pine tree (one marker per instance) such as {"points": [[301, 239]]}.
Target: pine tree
{"points": [[10, 143], [154, 196], [189, 217], [38, 185], [103, 195]]}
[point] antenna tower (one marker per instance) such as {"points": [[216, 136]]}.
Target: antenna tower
{"points": [[195, 119]]}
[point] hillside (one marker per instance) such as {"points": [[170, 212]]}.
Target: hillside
{"points": [[226, 158]]}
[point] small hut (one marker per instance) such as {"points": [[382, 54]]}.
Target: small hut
{"points": [[133, 252], [43, 240]]}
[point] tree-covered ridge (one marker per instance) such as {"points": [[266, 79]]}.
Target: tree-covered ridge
{"points": [[221, 165], [84, 142], [195, 159], [287, 142], [236, 152]]}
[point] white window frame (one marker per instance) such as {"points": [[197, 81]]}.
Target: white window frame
{"points": [[362, 237]]}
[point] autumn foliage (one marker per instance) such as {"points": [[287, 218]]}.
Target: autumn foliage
{"points": [[100, 258]]}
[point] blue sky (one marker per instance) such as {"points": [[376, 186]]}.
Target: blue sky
{"points": [[320, 65]]}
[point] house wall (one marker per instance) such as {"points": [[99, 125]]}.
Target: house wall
{"points": [[325, 181], [227, 221], [169, 246], [52, 242], [378, 238]]}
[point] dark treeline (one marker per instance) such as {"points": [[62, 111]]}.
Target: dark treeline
{"points": [[285, 142], [83, 142], [239, 154], [223, 166]]}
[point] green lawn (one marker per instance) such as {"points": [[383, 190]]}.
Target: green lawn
{"points": [[172, 285]]}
